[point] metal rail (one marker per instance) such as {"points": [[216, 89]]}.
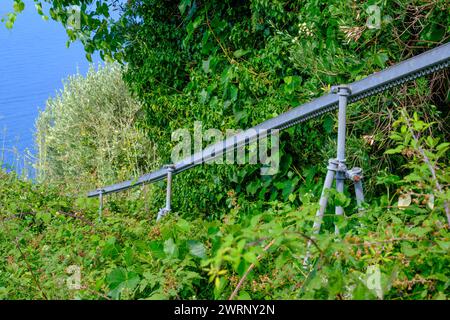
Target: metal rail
{"points": [[415, 67]]}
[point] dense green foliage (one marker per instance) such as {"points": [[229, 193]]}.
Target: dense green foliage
{"points": [[233, 64], [394, 249]]}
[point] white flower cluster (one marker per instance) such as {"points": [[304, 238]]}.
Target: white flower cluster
{"points": [[304, 30]]}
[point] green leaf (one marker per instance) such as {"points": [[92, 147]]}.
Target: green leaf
{"points": [[18, 6], [233, 92], [250, 257], [120, 279], [240, 53], [9, 24], [157, 249], [420, 231], [380, 59], [253, 186], [44, 216], [292, 197], [288, 80], [445, 245], [244, 295], [128, 256], [240, 115], [388, 179], [443, 146], [409, 251], [183, 225], [157, 296], [38, 7], [433, 32], [227, 75], [341, 199], [110, 249], [328, 124], [398, 149]]}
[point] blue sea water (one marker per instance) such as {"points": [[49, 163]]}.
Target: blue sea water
{"points": [[33, 62]]}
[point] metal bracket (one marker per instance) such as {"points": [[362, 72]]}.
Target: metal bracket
{"points": [[337, 165], [354, 174], [161, 213], [342, 89]]}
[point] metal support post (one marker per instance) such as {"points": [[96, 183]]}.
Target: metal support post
{"points": [[100, 208], [343, 92], [163, 211]]}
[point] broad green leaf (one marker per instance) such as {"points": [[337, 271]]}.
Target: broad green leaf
{"points": [[233, 92], [443, 146], [44, 216], [183, 225], [380, 59], [240, 53], [250, 257], [157, 249], [398, 149], [227, 75], [120, 279], [18, 6], [445, 245], [409, 251], [244, 295]]}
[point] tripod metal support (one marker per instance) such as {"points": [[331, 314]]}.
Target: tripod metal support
{"points": [[337, 169], [163, 211]]}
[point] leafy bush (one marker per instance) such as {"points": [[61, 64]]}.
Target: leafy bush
{"points": [[393, 249], [87, 137]]}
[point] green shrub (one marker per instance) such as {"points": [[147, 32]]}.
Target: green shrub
{"points": [[234, 64], [86, 136], [395, 248]]}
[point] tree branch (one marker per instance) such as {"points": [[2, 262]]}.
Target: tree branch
{"points": [[236, 290]]}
